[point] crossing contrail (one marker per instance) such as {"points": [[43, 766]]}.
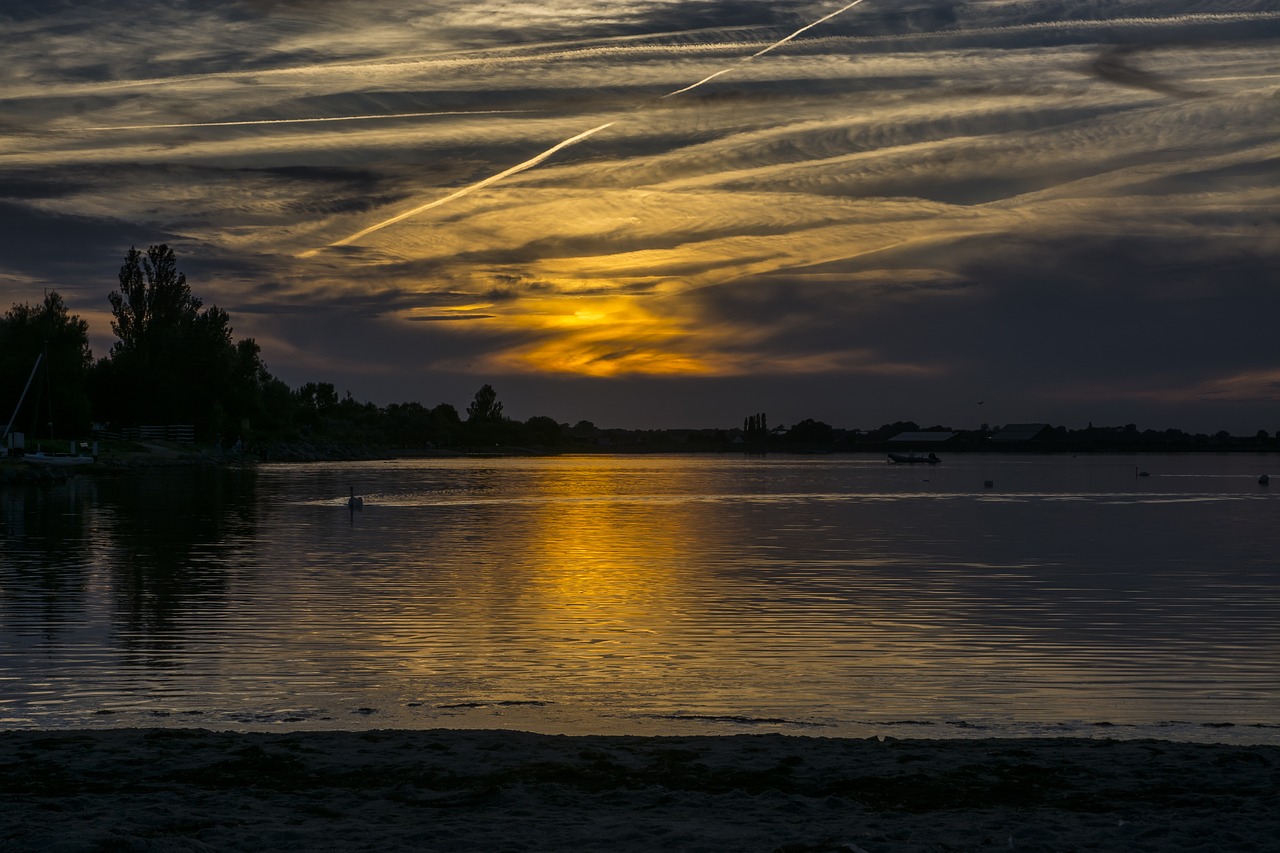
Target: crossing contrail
{"points": [[470, 188], [248, 122], [560, 146], [763, 51]]}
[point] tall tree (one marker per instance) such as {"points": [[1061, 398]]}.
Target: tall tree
{"points": [[485, 424], [60, 340], [174, 360], [485, 406]]}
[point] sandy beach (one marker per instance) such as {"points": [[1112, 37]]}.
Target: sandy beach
{"points": [[198, 790]]}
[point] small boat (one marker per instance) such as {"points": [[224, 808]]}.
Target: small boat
{"points": [[40, 457], [908, 458], [60, 459]]}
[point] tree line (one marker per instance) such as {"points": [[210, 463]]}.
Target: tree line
{"points": [[175, 361]]}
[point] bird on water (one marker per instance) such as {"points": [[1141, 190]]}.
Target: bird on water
{"points": [[355, 501]]}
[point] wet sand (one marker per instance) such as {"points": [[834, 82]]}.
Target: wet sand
{"points": [[198, 790]]}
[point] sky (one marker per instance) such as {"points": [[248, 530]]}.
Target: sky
{"points": [[676, 213]]}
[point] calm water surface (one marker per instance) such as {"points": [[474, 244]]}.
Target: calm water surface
{"points": [[821, 595]]}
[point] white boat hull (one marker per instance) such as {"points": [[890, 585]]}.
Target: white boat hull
{"points": [[54, 459]]}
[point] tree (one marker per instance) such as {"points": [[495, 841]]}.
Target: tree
{"points": [[407, 424], [811, 432], [485, 423], [446, 426], [279, 404], [174, 362], [485, 406], [318, 398], [542, 430], [60, 341]]}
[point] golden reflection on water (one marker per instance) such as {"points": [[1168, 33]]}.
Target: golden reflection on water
{"points": [[603, 592], [601, 573], [582, 575]]}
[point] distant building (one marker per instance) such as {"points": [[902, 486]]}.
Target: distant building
{"points": [[1014, 433]]}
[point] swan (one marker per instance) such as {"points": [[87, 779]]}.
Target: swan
{"points": [[355, 501]]}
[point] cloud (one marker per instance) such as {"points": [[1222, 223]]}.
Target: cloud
{"points": [[914, 200], [1112, 64]]}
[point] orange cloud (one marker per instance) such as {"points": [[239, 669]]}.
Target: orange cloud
{"points": [[607, 336], [610, 336]]}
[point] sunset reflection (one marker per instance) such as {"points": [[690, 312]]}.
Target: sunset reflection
{"points": [[605, 567]]}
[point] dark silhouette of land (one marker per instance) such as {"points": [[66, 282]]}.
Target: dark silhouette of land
{"points": [[175, 374]]}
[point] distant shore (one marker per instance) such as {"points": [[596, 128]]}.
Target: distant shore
{"points": [[502, 790], [17, 470]]}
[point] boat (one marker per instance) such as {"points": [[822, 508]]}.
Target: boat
{"points": [[908, 458], [60, 459], [39, 457]]}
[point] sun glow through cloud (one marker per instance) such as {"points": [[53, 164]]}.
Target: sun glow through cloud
{"points": [[604, 337]]}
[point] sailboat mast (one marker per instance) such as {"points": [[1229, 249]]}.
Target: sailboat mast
{"points": [[9, 426], [48, 389]]}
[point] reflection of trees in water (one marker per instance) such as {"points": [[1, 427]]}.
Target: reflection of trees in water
{"points": [[45, 561], [173, 539]]}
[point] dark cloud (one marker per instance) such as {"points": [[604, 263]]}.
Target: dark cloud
{"points": [[49, 246], [1115, 64], [20, 186], [450, 318]]}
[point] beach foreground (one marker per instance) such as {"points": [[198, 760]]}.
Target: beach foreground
{"points": [[194, 790]]}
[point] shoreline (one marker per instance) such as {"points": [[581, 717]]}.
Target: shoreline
{"points": [[17, 471], [389, 790]]}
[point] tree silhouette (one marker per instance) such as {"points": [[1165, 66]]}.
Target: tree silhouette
{"points": [[542, 430], [485, 406], [60, 341], [811, 432], [485, 423], [446, 426], [174, 362], [755, 427]]}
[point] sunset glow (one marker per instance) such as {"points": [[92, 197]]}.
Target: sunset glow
{"points": [[612, 337]]}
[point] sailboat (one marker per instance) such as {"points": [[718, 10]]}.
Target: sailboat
{"points": [[75, 457]]}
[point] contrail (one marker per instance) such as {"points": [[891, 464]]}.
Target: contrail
{"points": [[573, 140], [763, 51], [821, 20], [492, 179], [249, 122]]}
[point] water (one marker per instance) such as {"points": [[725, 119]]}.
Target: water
{"points": [[817, 595]]}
